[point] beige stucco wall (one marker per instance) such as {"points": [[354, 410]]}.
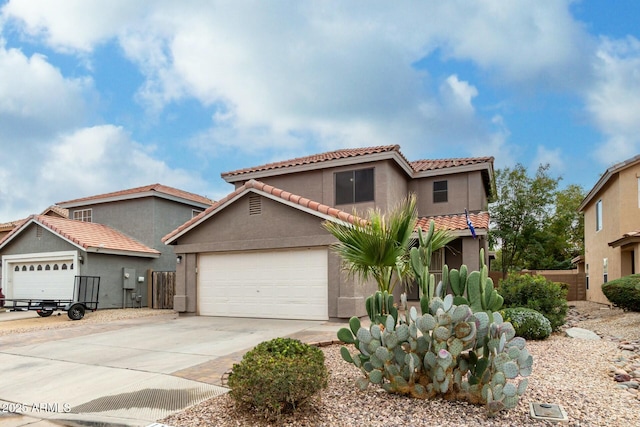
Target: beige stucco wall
{"points": [[390, 185], [277, 227], [620, 215], [464, 191]]}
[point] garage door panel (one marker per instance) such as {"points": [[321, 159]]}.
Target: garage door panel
{"points": [[41, 279], [278, 284]]}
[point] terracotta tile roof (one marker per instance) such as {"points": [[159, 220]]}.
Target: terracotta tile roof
{"points": [[456, 222], [631, 236], [8, 226], [426, 164], [132, 192], [62, 212], [416, 166], [316, 158], [268, 189], [87, 235]]}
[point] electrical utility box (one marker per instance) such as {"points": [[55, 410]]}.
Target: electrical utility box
{"points": [[128, 278]]}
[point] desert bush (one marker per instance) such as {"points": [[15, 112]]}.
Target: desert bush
{"points": [[624, 292], [277, 376], [529, 324], [537, 293]]}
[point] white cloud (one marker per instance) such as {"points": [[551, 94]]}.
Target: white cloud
{"points": [[340, 72], [518, 41], [553, 157], [282, 76], [74, 25], [614, 101], [104, 158], [34, 95]]}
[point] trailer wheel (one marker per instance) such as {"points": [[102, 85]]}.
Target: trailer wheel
{"points": [[76, 312], [44, 313]]}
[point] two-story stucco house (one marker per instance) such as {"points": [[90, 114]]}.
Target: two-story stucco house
{"points": [[612, 227], [116, 236], [262, 251]]}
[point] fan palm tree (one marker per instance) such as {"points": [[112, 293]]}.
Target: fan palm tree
{"points": [[379, 246]]}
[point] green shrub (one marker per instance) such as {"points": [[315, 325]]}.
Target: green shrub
{"points": [[624, 292], [529, 324], [537, 293], [277, 376]]}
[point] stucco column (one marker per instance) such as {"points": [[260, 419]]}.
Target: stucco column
{"points": [[184, 300], [180, 296], [346, 294], [471, 253]]}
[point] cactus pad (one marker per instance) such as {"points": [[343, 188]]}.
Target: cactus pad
{"points": [[375, 376], [402, 331], [509, 390], [462, 329], [510, 370], [376, 333], [522, 386], [383, 354], [442, 333], [426, 323], [364, 336]]}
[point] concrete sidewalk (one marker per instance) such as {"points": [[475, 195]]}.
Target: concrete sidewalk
{"points": [[130, 372]]}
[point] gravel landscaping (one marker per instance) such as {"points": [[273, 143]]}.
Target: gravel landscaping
{"points": [[576, 374]]}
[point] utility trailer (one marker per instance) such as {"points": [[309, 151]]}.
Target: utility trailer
{"points": [[85, 293]]}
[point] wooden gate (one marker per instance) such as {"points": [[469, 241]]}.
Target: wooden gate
{"points": [[163, 288]]}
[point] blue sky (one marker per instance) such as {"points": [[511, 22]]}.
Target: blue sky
{"points": [[98, 96]]}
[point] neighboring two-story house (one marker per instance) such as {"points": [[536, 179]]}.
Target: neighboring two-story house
{"points": [[612, 227], [116, 236], [262, 251]]}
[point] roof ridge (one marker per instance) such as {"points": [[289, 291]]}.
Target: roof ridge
{"points": [[157, 187], [316, 158], [454, 158]]}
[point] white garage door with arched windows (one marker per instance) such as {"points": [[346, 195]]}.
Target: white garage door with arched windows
{"points": [[39, 276], [288, 284]]}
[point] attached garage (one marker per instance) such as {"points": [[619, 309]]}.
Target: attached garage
{"points": [[39, 276], [283, 284]]}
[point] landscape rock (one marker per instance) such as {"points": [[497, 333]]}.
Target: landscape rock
{"points": [[583, 334]]}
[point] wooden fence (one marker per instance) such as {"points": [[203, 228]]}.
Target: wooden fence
{"points": [[577, 281], [163, 288]]}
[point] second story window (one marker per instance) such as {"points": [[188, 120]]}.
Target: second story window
{"points": [[440, 191], [599, 215], [82, 215], [354, 186]]}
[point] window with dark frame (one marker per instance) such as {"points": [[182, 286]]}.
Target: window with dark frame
{"points": [[440, 192], [355, 186]]}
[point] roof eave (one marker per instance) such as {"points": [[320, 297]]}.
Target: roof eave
{"points": [[108, 251], [604, 179], [624, 241]]}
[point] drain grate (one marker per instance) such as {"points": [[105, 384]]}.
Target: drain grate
{"points": [[153, 398]]}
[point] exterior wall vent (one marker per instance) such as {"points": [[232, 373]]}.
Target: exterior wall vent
{"points": [[255, 205]]}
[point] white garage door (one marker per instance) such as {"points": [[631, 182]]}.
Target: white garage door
{"points": [[275, 284], [40, 279]]}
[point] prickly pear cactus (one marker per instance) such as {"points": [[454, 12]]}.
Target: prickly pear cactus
{"points": [[448, 351], [474, 289]]}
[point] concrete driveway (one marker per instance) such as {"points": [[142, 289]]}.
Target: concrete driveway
{"points": [[129, 372]]}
